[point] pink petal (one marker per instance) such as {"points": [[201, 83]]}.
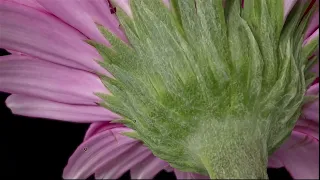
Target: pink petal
{"points": [[169, 168], [182, 175], [187, 175], [30, 3], [100, 11], [300, 155], [114, 169], [82, 14], [307, 127], [30, 31], [34, 77], [16, 53], [288, 5], [105, 151], [40, 108], [98, 127], [311, 110], [274, 162], [313, 90], [166, 2], [314, 22], [124, 5], [148, 168], [313, 36]]}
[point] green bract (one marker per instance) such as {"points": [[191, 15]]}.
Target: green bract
{"points": [[209, 89]]}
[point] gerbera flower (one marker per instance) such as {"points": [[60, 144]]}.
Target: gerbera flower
{"points": [[217, 89]]}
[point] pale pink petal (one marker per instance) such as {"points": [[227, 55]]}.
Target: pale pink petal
{"points": [[73, 13], [34, 77], [166, 2], [42, 35], [313, 90], [30, 3], [124, 5], [313, 36], [314, 23], [169, 168], [116, 168], [288, 5], [98, 127], [41, 108], [181, 175], [307, 127], [187, 175], [148, 168], [300, 156], [16, 53], [311, 110], [101, 11], [199, 176], [143, 170], [108, 151], [274, 162]]}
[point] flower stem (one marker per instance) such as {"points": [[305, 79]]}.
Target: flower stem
{"points": [[235, 171], [234, 152]]}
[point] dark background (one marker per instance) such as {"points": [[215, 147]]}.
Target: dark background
{"points": [[40, 148]]}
